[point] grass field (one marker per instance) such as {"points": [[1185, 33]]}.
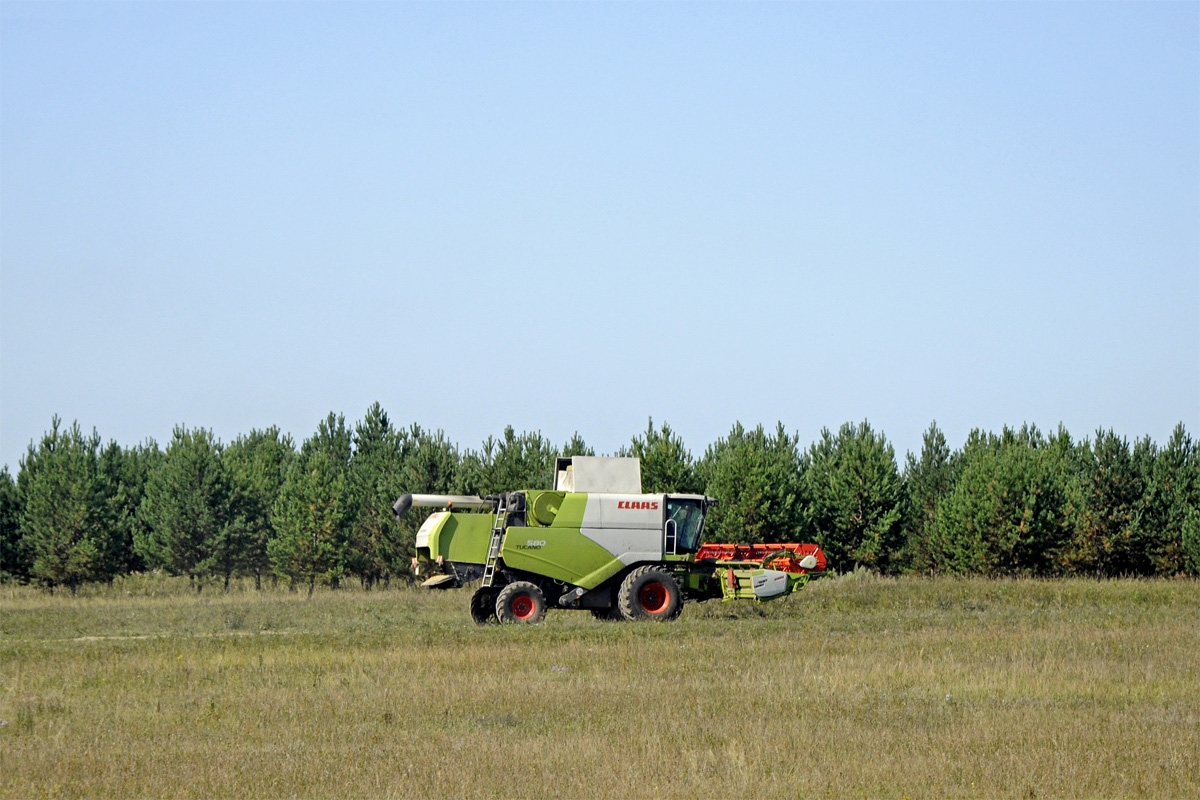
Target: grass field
{"points": [[855, 687]]}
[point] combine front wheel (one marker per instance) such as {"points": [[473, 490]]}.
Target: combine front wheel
{"points": [[521, 602], [483, 605], [649, 593]]}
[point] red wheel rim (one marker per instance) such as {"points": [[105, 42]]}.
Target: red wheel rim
{"points": [[654, 597], [523, 606]]}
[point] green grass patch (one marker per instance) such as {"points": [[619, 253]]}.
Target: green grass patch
{"points": [[859, 686]]}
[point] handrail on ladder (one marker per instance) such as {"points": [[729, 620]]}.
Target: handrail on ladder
{"points": [[496, 543]]}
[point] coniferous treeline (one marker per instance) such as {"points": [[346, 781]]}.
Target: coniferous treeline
{"points": [[1014, 503]]}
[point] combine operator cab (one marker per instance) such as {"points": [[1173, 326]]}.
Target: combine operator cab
{"points": [[685, 522]]}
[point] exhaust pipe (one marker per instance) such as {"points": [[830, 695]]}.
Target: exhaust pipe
{"points": [[466, 501]]}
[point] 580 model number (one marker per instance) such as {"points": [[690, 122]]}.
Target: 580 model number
{"points": [[532, 544]]}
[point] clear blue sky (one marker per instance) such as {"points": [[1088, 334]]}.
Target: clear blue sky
{"points": [[574, 216]]}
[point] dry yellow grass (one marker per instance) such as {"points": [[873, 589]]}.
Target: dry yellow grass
{"points": [[855, 687]]}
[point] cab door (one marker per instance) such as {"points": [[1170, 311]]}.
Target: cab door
{"points": [[683, 525]]}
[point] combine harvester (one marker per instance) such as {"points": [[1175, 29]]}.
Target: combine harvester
{"points": [[594, 542]]}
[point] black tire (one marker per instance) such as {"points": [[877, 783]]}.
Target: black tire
{"points": [[650, 593], [612, 614], [521, 602], [483, 606]]}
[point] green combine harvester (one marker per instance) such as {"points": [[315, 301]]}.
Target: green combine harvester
{"points": [[594, 542]]}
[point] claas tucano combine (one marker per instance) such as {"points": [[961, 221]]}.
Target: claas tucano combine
{"points": [[594, 542]]}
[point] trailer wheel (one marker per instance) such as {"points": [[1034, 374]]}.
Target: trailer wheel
{"points": [[649, 593], [521, 602], [483, 606]]}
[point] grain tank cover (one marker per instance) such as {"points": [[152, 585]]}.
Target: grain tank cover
{"points": [[598, 474]]}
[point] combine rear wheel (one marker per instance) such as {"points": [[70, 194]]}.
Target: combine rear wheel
{"points": [[649, 593], [483, 605], [521, 602]]}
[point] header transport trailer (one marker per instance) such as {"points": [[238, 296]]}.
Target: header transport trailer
{"points": [[594, 542]]}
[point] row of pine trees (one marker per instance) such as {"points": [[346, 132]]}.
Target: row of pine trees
{"points": [[1015, 503]]}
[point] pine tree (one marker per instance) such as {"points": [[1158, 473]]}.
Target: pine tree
{"points": [[63, 521], [310, 521], [123, 476], [1189, 534], [852, 487], [375, 481], [188, 520], [926, 481], [14, 560], [515, 461], [315, 509], [1170, 508], [431, 462], [257, 464], [1006, 514], [576, 446], [332, 438], [757, 478], [1108, 537], [667, 465]]}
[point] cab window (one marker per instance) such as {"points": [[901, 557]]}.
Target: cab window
{"points": [[688, 516]]}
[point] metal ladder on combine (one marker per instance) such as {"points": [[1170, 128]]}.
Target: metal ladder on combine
{"points": [[489, 567]]}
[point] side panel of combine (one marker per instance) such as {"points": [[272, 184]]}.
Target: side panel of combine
{"points": [[432, 522], [455, 537], [552, 544], [630, 526], [559, 553]]}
